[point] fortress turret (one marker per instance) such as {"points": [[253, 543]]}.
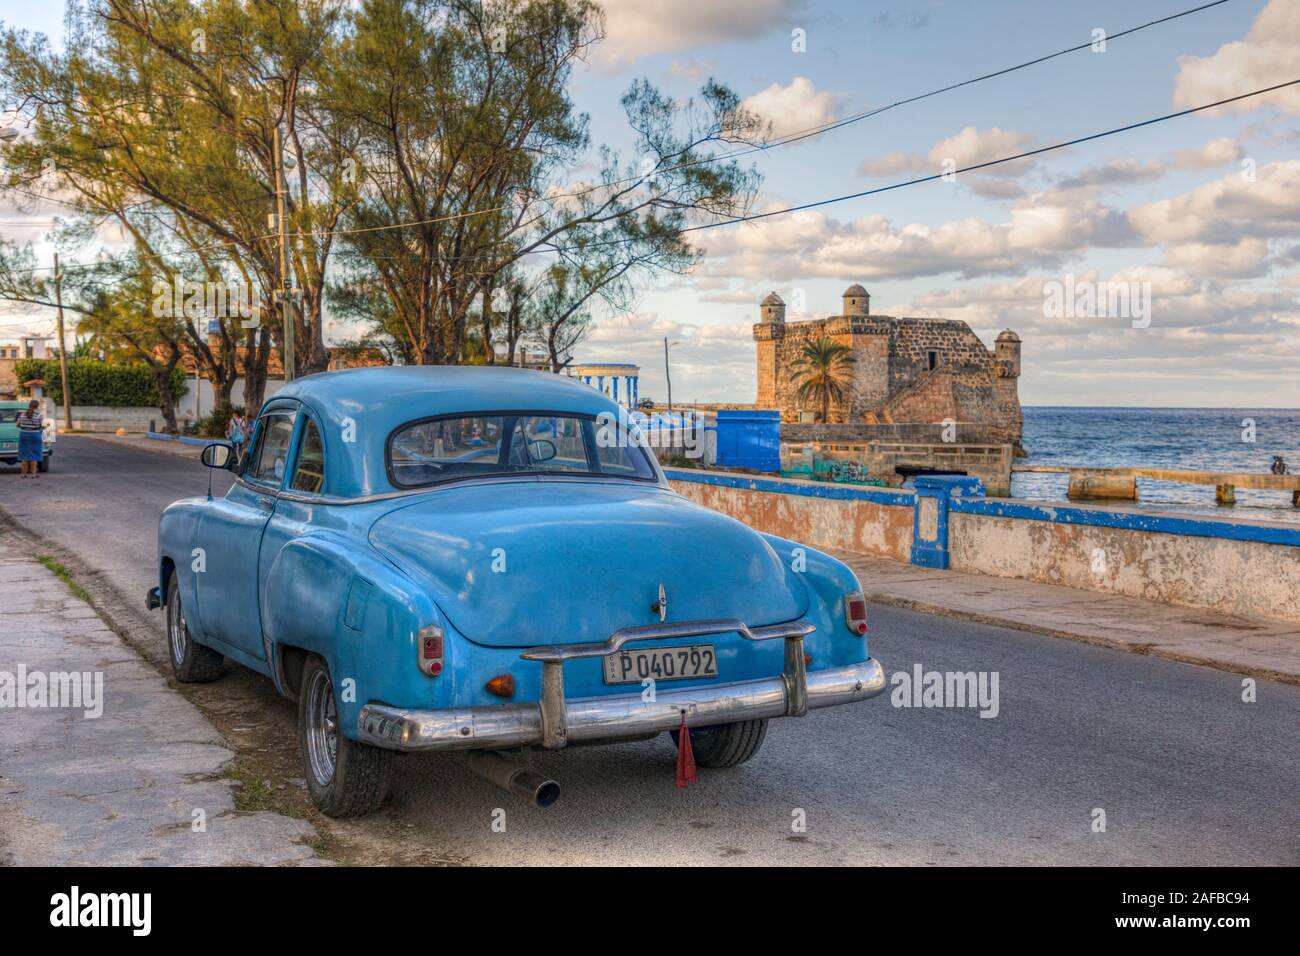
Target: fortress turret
{"points": [[857, 301], [772, 309], [1006, 354]]}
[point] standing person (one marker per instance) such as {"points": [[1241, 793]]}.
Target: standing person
{"points": [[237, 432], [31, 444]]}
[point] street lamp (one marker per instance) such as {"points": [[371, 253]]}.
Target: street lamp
{"points": [[8, 134]]}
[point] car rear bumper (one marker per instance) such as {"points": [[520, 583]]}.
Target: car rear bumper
{"points": [[590, 719]]}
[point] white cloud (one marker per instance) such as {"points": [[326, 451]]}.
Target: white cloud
{"points": [[640, 28], [713, 362], [968, 147], [1247, 257], [972, 146], [1216, 152], [1269, 54], [1041, 229], [1115, 172], [1227, 209], [795, 107], [690, 69], [892, 164]]}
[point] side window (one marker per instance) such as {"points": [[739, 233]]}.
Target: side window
{"points": [[272, 452], [309, 474]]}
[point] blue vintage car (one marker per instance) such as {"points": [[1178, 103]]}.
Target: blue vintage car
{"points": [[488, 559]]}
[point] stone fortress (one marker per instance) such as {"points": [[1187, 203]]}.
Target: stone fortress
{"points": [[906, 370]]}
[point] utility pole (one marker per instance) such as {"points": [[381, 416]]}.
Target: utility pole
{"points": [[668, 377], [286, 307], [63, 351]]}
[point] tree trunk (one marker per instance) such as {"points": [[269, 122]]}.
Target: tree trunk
{"points": [[166, 400]]}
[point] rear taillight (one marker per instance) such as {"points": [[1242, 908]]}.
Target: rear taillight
{"points": [[430, 640], [855, 612]]}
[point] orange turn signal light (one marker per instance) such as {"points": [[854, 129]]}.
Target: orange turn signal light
{"points": [[503, 685]]}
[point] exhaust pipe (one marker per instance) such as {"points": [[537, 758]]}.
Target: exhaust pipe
{"points": [[524, 782]]}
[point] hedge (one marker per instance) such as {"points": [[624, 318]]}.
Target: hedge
{"points": [[98, 383]]}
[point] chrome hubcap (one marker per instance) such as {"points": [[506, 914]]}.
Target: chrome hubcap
{"points": [[322, 728], [176, 629]]}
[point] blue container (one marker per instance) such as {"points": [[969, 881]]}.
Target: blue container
{"points": [[749, 439]]}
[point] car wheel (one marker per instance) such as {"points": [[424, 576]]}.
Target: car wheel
{"points": [[43, 464], [192, 663], [725, 745], [344, 777]]}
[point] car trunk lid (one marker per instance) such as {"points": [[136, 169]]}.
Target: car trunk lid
{"points": [[528, 563]]}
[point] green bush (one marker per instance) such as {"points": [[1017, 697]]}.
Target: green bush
{"points": [[215, 424], [99, 383]]}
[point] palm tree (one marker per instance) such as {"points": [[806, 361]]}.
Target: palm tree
{"points": [[821, 371]]}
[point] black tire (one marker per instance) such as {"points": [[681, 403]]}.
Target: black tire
{"points": [[345, 778], [192, 663], [725, 745], [44, 464]]}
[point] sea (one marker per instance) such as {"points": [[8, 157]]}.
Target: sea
{"points": [[1208, 439]]}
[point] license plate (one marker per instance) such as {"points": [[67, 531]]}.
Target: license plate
{"points": [[661, 663]]}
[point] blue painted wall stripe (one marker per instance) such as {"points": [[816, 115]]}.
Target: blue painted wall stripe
{"points": [[1128, 520], [786, 486]]}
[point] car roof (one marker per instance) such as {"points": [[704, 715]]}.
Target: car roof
{"points": [[371, 403]]}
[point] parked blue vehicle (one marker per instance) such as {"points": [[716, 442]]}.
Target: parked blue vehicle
{"points": [[487, 559]]}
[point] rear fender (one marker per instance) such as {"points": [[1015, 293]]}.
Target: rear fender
{"points": [[177, 533], [325, 595], [828, 581]]}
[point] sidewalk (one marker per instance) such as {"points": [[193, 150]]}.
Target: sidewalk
{"points": [[121, 788], [1254, 646]]}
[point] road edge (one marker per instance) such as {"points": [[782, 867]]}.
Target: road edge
{"points": [[1144, 650]]}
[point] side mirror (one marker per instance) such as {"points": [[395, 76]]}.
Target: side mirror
{"points": [[218, 455], [541, 449]]}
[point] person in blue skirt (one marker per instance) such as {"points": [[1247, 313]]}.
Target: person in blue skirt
{"points": [[31, 446]]}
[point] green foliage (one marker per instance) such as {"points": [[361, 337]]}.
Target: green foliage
{"points": [[215, 424], [822, 371], [99, 383]]}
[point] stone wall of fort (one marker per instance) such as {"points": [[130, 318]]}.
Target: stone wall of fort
{"points": [[905, 370]]}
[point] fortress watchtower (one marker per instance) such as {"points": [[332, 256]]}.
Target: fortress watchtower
{"points": [[857, 300]]}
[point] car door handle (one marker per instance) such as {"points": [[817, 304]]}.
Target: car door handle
{"points": [[266, 501]]}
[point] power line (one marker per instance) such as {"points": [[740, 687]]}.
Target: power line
{"points": [[795, 136], [973, 166], [798, 135], [810, 131]]}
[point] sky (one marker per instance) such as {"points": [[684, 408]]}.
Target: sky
{"points": [[1201, 212]]}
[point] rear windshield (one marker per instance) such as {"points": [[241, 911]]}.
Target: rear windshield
{"points": [[9, 414], [514, 443]]}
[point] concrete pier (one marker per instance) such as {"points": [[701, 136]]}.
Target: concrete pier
{"points": [[1094, 483]]}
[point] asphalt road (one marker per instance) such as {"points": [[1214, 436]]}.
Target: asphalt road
{"points": [[1185, 771]]}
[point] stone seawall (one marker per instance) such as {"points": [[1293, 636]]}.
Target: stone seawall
{"points": [[1248, 568], [867, 521]]}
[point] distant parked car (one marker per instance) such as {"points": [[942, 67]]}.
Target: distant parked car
{"points": [[9, 411], [484, 559]]}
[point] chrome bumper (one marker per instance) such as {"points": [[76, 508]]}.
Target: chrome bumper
{"points": [[555, 721]]}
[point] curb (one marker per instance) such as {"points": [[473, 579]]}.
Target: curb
{"points": [[203, 442], [1145, 650]]}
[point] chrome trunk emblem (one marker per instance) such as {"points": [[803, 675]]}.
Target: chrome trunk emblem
{"points": [[660, 607]]}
